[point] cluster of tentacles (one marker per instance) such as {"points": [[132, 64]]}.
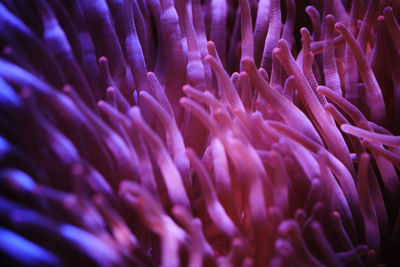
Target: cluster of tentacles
{"points": [[199, 133]]}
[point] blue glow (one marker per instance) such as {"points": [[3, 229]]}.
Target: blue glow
{"points": [[93, 246], [4, 146], [24, 250], [8, 95], [19, 178]]}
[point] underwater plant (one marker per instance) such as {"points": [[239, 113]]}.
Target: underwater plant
{"points": [[199, 133]]}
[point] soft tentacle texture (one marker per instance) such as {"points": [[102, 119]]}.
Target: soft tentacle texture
{"points": [[199, 133]]}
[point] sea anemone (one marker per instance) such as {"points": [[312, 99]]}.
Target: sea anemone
{"points": [[199, 133]]}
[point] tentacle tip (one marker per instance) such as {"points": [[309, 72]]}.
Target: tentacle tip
{"points": [[364, 156], [247, 63], [344, 127], [387, 11], [339, 26], [186, 88], [103, 59], [134, 111], [282, 43], [178, 210], [276, 51], [183, 100], [304, 31], [143, 94], [101, 103], [335, 214], [321, 89], [330, 18], [210, 46], [209, 43], [243, 75], [208, 58], [110, 89], [67, 88]]}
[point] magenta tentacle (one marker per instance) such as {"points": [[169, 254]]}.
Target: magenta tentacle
{"points": [[199, 133]]}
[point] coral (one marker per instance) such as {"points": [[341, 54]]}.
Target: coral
{"points": [[199, 133]]}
